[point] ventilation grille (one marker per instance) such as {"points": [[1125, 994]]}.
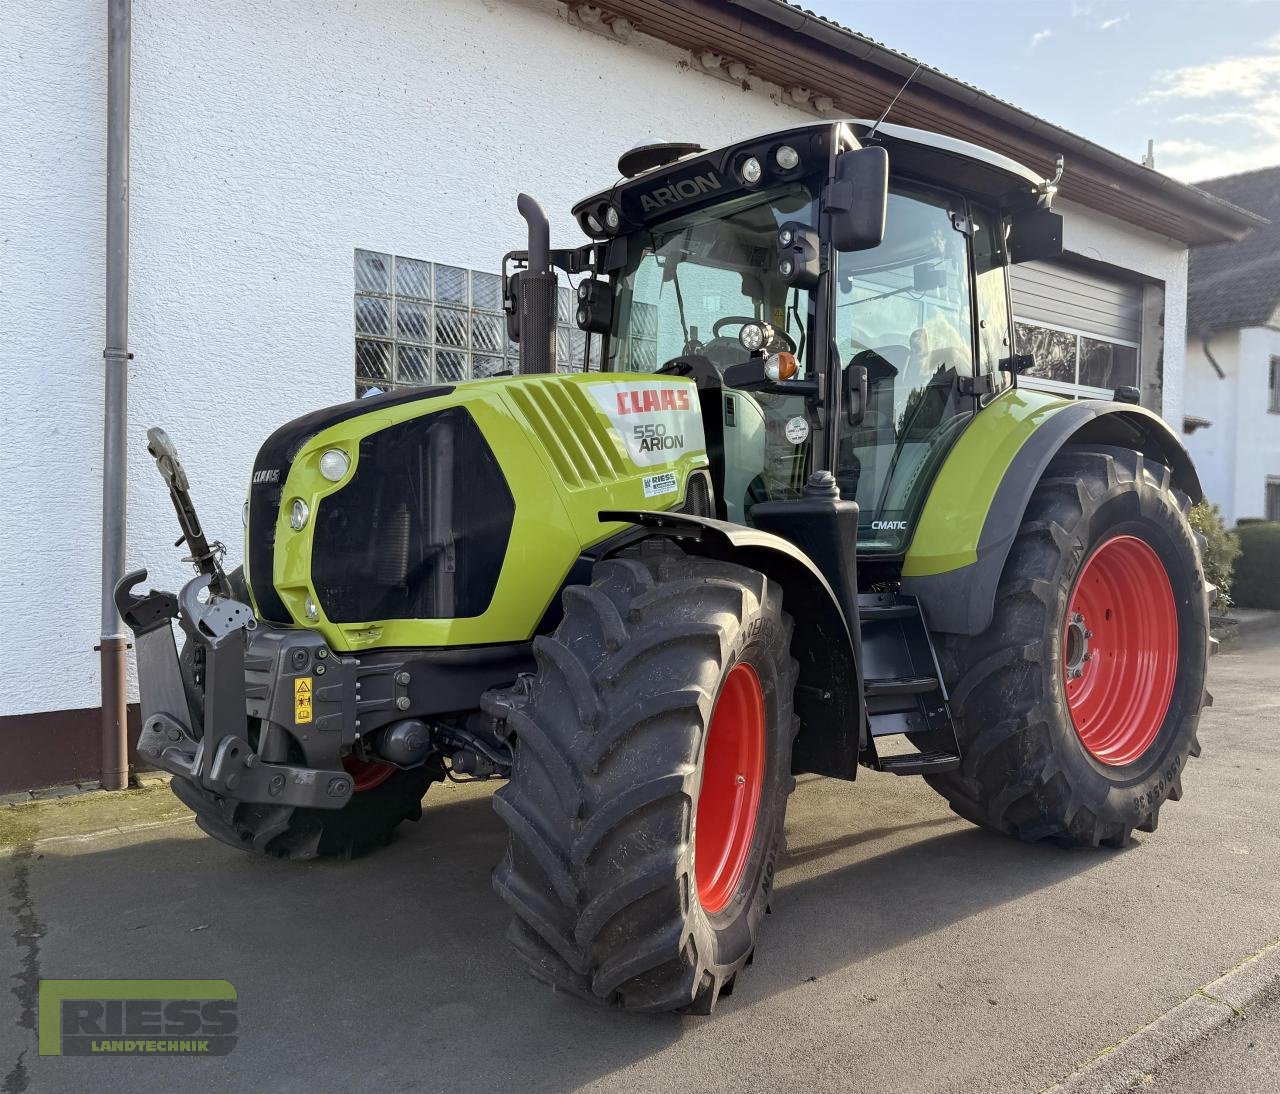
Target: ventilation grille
{"points": [[565, 418]]}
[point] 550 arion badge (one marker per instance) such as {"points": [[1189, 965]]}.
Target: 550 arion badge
{"points": [[659, 422]]}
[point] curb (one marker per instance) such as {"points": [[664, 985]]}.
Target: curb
{"points": [[1254, 622], [1156, 1045], [141, 780]]}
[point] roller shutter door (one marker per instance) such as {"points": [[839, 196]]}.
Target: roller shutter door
{"points": [[1065, 298]]}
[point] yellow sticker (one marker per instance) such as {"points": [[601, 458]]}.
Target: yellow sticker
{"points": [[779, 317], [302, 700]]}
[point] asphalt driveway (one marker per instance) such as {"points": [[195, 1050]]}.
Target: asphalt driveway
{"points": [[907, 950]]}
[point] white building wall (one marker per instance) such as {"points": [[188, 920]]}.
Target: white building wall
{"points": [[269, 141], [1105, 239], [1241, 449]]}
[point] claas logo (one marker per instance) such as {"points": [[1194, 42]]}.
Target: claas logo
{"points": [[653, 398]]}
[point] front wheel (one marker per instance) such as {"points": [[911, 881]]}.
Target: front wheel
{"points": [[651, 770], [1078, 707]]}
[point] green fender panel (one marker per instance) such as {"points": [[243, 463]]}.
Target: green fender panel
{"points": [[976, 502]]}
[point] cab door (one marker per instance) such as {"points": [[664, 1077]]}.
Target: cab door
{"points": [[904, 312]]}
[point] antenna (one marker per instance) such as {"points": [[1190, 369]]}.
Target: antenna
{"points": [[872, 131]]}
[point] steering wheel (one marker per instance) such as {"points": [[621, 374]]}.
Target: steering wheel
{"points": [[742, 321]]}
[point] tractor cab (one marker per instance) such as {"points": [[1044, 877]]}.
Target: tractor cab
{"points": [[838, 291]]}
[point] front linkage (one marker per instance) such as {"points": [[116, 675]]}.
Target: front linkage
{"points": [[256, 714]]}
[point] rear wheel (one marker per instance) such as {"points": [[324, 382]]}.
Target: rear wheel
{"points": [[651, 771], [1078, 707]]}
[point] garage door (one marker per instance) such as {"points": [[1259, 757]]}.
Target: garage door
{"points": [[1083, 330]]}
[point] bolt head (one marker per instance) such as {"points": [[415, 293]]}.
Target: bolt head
{"points": [[337, 787], [403, 702], [402, 677], [319, 670]]}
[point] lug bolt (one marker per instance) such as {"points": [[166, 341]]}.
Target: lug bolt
{"points": [[1088, 634], [403, 702], [322, 653], [742, 780], [319, 670], [402, 677]]}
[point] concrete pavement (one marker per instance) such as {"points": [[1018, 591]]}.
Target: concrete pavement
{"points": [[907, 951]]}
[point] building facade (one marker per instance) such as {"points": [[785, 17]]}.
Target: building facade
{"points": [[1233, 356], [321, 193]]}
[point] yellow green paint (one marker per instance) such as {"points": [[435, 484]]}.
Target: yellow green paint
{"points": [[946, 536], [563, 463]]}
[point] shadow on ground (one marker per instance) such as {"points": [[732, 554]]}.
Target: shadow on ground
{"points": [[392, 971]]}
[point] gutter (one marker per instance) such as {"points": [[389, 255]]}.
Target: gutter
{"points": [[116, 355], [1232, 221]]}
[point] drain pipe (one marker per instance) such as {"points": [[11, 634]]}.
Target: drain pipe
{"points": [[115, 403]]}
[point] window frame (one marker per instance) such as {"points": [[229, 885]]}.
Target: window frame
{"points": [[1271, 498], [1061, 387]]}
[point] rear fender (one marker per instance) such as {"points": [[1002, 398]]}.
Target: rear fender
{"points": [[976, 503], [829, 694]]}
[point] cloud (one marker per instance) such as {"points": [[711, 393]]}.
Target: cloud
{"points": [[1039, 37], [1230, 116], [1107, 24]]}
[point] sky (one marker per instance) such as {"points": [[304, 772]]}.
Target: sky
{"points": [[1201, 78]]}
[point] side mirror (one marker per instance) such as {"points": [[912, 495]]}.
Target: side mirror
{"points": [[1035, 234], [595, 305], [857, 199]]}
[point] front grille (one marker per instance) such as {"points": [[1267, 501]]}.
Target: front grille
{"points": [[421, 529], [270, 470]]}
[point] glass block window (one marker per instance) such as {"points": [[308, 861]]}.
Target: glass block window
{"points": [[1072, 363], [419, 322]]}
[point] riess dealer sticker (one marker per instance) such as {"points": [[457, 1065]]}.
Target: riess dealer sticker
{"points": [[658, 421]]}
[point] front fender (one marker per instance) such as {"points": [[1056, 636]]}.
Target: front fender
{"points": [[829, 695], [976, 503]]}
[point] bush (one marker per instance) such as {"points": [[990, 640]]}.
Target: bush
{"points": [[1257, 573], [1219, 551]]}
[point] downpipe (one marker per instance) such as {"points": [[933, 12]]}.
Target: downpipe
{"points": [[112, 643]]}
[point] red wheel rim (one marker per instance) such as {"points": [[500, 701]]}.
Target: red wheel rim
{"points": [[366, 774], [1120, 650], [732, 775]]}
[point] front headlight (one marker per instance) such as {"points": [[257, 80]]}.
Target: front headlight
{"points": [[298, 514], [334, 464], [755, 336]]}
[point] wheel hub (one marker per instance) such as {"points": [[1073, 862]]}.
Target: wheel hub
{"points": [[1120, 650], [732, 776]]}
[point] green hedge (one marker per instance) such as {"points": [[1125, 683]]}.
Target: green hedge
{"points": [[1257, 572], [1219, 551]]}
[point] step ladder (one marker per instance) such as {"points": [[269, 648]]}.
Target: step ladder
{"points": [[910, 730]]}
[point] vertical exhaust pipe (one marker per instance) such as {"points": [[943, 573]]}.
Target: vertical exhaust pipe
{"points": [[536, 302]]}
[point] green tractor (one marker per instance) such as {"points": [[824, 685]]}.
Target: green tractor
{"points": [[802, 519]]}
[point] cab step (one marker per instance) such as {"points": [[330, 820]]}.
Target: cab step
{"points": [[922, 763], [903, 688]]}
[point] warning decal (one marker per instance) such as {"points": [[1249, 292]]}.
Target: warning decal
{"points": [[302, 687], [659, 421]]}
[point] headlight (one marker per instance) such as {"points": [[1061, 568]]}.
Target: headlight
{"points": [[593, 224], [612, 218], [298, 514], [750, 171], [787, 157], [786, 237], [781, 366], [786, 268], [333, 465], [309, 606], [755, 336]]}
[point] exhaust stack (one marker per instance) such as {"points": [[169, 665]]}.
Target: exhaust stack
{"points": [[536, 295]]}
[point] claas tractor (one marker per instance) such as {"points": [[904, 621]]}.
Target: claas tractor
{"points": [[799, 515]]}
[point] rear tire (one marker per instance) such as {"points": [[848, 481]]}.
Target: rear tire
{"points": [[1058, 745], [660, 662]]}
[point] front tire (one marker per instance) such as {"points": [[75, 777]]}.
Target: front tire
{"points": [[1078, 707], [651, 771]]}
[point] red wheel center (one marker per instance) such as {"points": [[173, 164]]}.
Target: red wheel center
{"points": [[1120, 650], [732, 776], [366, 774]]}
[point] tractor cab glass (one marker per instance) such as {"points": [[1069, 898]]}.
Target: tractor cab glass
{"points": [[690, 286], [904, 314]]}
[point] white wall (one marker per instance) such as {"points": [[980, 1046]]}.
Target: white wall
{"points": [[269, 141], [1105, 239], [1238, 452]]}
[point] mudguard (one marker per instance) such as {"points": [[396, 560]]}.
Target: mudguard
{"points": [[829, 696], [975, 505]]}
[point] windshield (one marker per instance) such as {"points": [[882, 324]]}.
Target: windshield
{"points": [[691, 283], [688, 289]]}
